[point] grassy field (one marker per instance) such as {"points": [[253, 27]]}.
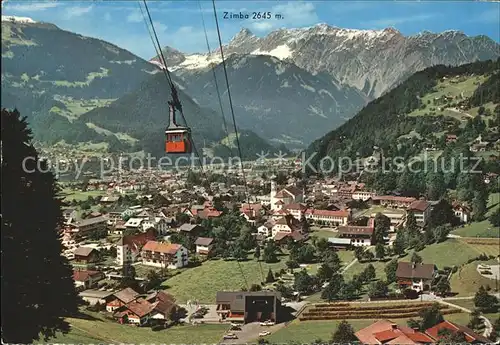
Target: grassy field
{"points": [[458, 88], [467, 280], [309, 331], [452, 252], [484, 228], [69, 194], [99, 329], [203, 282]]}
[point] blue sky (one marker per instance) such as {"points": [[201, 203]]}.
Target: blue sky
{"points": [[179, 23]]}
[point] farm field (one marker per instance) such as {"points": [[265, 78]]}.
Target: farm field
{"points": [[488, 246], [88, 331]]}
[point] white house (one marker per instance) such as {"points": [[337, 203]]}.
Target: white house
{"points": [[158, 223], [328, 217], [285, 196], [167, 255], [297, 210], [204, 245], [462, 212], [362, 195], [134, 223], [266, 229]]}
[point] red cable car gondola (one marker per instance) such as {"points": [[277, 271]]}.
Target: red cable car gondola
{"points": [[178, 137]]}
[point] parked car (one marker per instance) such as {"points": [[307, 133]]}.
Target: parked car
{"points": [[230, 336], [267, 323], [263, 334]]}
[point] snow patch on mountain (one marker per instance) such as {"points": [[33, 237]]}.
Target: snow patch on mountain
{"points": [[25, 20]]}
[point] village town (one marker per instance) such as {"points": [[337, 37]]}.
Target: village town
{"points": [[263, 251]]}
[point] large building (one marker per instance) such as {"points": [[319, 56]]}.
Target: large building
{"points": [[288, 195], [164, 255], [248, 306]]}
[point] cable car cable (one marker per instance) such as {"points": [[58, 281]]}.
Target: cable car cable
{"points": [[213, 70], [175, 98], [234, 120], [230, 100]]}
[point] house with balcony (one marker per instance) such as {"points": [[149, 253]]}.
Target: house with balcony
{"points": [[360, 236], [87, 279], [421, 210], [85, 226], [86, 255], [418, 277], [121, 298], [204, 245], [164, 255], [128, 247], [297, 210]]}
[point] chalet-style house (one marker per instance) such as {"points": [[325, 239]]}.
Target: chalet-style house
{"points": [[266, 229], [421, 209], [418, 277], [288, 195], [139, 311], [287, 227], [246, 306], [87, 279], [471, 337], [86, 255], [193, 230], [128, 247], [85, 226], [167, 255], [358, 235], [462, 212], [204, 245], [297, 210], [388, 332], [121, 298]]}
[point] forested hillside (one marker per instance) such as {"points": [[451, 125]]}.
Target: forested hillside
{"points": [[417, 120]]}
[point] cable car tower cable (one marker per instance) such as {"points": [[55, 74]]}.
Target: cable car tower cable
{"points": [[213, 70], [175, 99]]}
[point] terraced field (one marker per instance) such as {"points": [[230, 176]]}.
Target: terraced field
{"points": [[342, 311]]}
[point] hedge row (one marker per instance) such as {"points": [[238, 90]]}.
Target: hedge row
{"points": [[307, 314], [371, 316], [395, 307], [368, 304], [322, 305]]}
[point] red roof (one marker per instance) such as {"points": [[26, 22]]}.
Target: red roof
{"points": [[419, 205], [82, 276], [470, 335], [385, 331], [159, 247], [328, 213]]}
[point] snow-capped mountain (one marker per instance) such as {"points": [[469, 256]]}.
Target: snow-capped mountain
{"points": [[373, 61], [18, 19], [276, 99]]}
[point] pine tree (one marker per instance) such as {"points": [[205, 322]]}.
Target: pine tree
{"points": [[344, 334], [35, 277]]}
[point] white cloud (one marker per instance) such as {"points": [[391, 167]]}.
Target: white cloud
{"points": [[385, 22], [189, 39], [31, 7], [294, 14], [159, 27], [77, 11], [135, 17]]}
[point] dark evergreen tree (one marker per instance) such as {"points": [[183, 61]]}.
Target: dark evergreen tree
{"points": [[36, 280], [344, 334]]}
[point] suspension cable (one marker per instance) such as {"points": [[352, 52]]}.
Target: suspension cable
{"points": [[230, 100], [213, 70], [174, 94]]}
